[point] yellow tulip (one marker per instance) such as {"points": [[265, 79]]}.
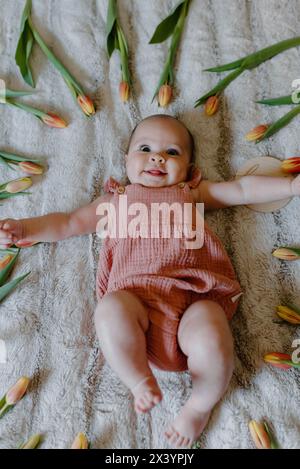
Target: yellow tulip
{"points": [[80, 442], [256, 133], [165, 95], [288, 314], [211, 105], [18, 185]]}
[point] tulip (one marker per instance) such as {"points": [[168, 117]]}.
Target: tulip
{"points": [[261, 435], [18, 185], [291, 165], [17, 391], [287, 254], [80, 442], [124, 91], [31, 168], [280, 360], [164, 95], [289, 314], [53, 120], [211, 105], [32, 443], [256, 133], [5, 261], [86, 105], [14, 395]]}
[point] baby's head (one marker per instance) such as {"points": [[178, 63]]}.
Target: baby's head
{"points": [[160, 152]]}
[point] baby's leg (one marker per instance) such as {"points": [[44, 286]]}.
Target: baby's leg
{"points": [[204, 336], [121, 321]]}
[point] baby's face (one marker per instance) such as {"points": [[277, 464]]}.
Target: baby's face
{"points": [[159, 153]]}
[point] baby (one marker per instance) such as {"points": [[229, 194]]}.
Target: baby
{"points": [[162, 303]]}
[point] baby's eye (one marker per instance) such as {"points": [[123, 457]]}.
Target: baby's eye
{"points": [[145, 148], [172, 151]]}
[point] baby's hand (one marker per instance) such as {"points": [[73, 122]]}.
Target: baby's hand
{"points": [[295, 185], [10, 232]]}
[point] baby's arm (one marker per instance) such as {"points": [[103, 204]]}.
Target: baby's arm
{"points": [[246, 190], [53, 226]]}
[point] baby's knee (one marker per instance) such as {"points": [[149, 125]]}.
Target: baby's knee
{"points": [[215, 347], [118, 306]]}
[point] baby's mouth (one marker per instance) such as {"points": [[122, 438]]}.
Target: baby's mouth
{"points": [[156, 172]]}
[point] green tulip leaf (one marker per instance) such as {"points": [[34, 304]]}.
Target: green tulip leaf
{"points": [[283, 100], [220, 86], [226, 67], [166, 28], [8, 287], [18, 158], [255, 59], [111, 16], [2, 402], [24, 46], [282, 122], [112, 42], [5, 195], [267, 53], [5, 163], [6, 93]]}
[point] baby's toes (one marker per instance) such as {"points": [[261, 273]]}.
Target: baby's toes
{"points": [[141, 405], [187, 443], [179, 442], [171, 434], [174, 439]]}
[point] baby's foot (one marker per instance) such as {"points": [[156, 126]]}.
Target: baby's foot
{"points": [[187, 426], [146, 394]]}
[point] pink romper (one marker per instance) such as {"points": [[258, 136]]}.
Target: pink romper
{"points": [[165, 275]]}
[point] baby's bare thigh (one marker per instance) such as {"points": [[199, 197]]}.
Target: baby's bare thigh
{"points": [[125, 304]]}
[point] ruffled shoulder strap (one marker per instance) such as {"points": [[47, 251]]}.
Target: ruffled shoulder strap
{"points": [[195, 178], [112, 185]]}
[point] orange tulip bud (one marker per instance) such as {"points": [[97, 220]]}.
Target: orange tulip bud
{"points": [[54, 121], [291, 165], [278, 360], [165, 95], [211, 105], [86, 105], [17, 391], [31, 168], [289, 314], [256, 133], [80, 442], [5, 261], [287, 254], [18, 185], [124, 91]]}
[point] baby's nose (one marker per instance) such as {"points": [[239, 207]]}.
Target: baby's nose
{"points": [[157, 158]]}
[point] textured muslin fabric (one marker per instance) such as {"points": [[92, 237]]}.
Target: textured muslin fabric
{"points": [[165, 273]]}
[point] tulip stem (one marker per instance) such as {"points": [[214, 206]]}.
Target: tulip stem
{"points": [[49, 54]]}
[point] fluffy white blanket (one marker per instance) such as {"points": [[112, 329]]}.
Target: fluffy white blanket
{"points": [[47, 323]]}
